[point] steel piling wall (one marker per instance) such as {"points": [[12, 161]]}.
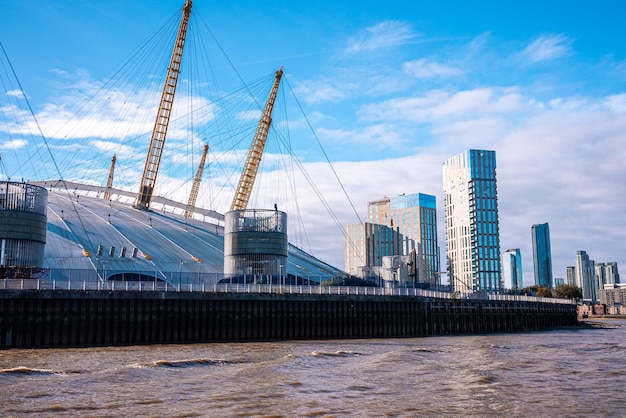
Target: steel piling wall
{"points": [[62, 318]]}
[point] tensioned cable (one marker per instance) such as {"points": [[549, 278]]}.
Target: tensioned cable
{"points": [[317, 191], [45, 142], [8, 86], [327, 159], [158, 34], [339, 224]]}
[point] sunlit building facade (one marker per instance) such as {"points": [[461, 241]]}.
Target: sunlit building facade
{"points": [[542, 255], [570, 275], [396, 226], [472, 229], [512, 269], [366, 244], [585, 275]]}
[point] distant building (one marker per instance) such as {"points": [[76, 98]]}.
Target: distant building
{"points": [[404, 225], [614, 294], [606, 273], [559, 281], [542, 256], [366, 244], [587, 309], [617, 310], [585, 277], [512, 269], [570, 275], [612, 275], [472, 229]]}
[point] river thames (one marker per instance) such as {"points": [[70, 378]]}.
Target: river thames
{"points": [[559, 373]]}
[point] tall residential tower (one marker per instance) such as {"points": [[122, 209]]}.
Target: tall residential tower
{"points": [[512, 269], [542, 256], [585, 277], [472, 231]]}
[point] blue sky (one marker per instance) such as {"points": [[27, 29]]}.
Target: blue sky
{"points": [[391, 92]]}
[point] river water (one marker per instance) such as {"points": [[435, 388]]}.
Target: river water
{"points": [[558, 373]]}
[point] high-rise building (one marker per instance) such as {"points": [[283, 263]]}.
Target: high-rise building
{"points": [[612, 275], [396, 226], [606, 273], [472, 230], [512, 269], [570, 275], [542, 257], [366, 244], [585, 277]]}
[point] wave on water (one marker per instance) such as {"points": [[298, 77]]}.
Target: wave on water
{"points": [[187, 363], [27, 371], [339, 353], [422, 350], [602, 347]]}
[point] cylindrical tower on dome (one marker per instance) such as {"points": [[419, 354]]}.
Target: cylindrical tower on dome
{"points": [[255, 242], [23, 224]]}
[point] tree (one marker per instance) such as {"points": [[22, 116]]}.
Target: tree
{"points": [[568, 291], [544, 292], [348, 281]]}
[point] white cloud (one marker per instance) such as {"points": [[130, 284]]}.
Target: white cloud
{"points": [[352, 83], [385, 34], [546, 48], [112, 147], [250, 114], [376, 136], [437, 104], [14, 144], [320, 91], [424, 68], [616, 103], [16, 93]]}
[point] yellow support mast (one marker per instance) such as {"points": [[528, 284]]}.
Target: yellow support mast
{"points": [[253, 161], [107, 191], [148, 180], [196, 184]]}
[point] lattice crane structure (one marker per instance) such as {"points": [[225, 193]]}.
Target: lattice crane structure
{"points": [[107, 192], [159, 132], [196, 184], [253, 161]]}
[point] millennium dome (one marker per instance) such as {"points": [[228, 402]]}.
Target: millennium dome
{"points": [[72, 227], [94, 238]]}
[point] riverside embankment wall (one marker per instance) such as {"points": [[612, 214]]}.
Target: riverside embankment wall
{"points": [[63, 318]]}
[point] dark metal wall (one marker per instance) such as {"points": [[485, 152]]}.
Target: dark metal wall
{"points": [[91, 318]]}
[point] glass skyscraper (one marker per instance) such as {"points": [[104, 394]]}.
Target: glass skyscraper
{"points": [[512, 269], [472, 231], [585, 275], [542, 256]]}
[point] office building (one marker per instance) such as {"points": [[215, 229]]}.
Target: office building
{"points": [[585, 277], [542, 257], [472, 230], [396, 226], [512, 269]]}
